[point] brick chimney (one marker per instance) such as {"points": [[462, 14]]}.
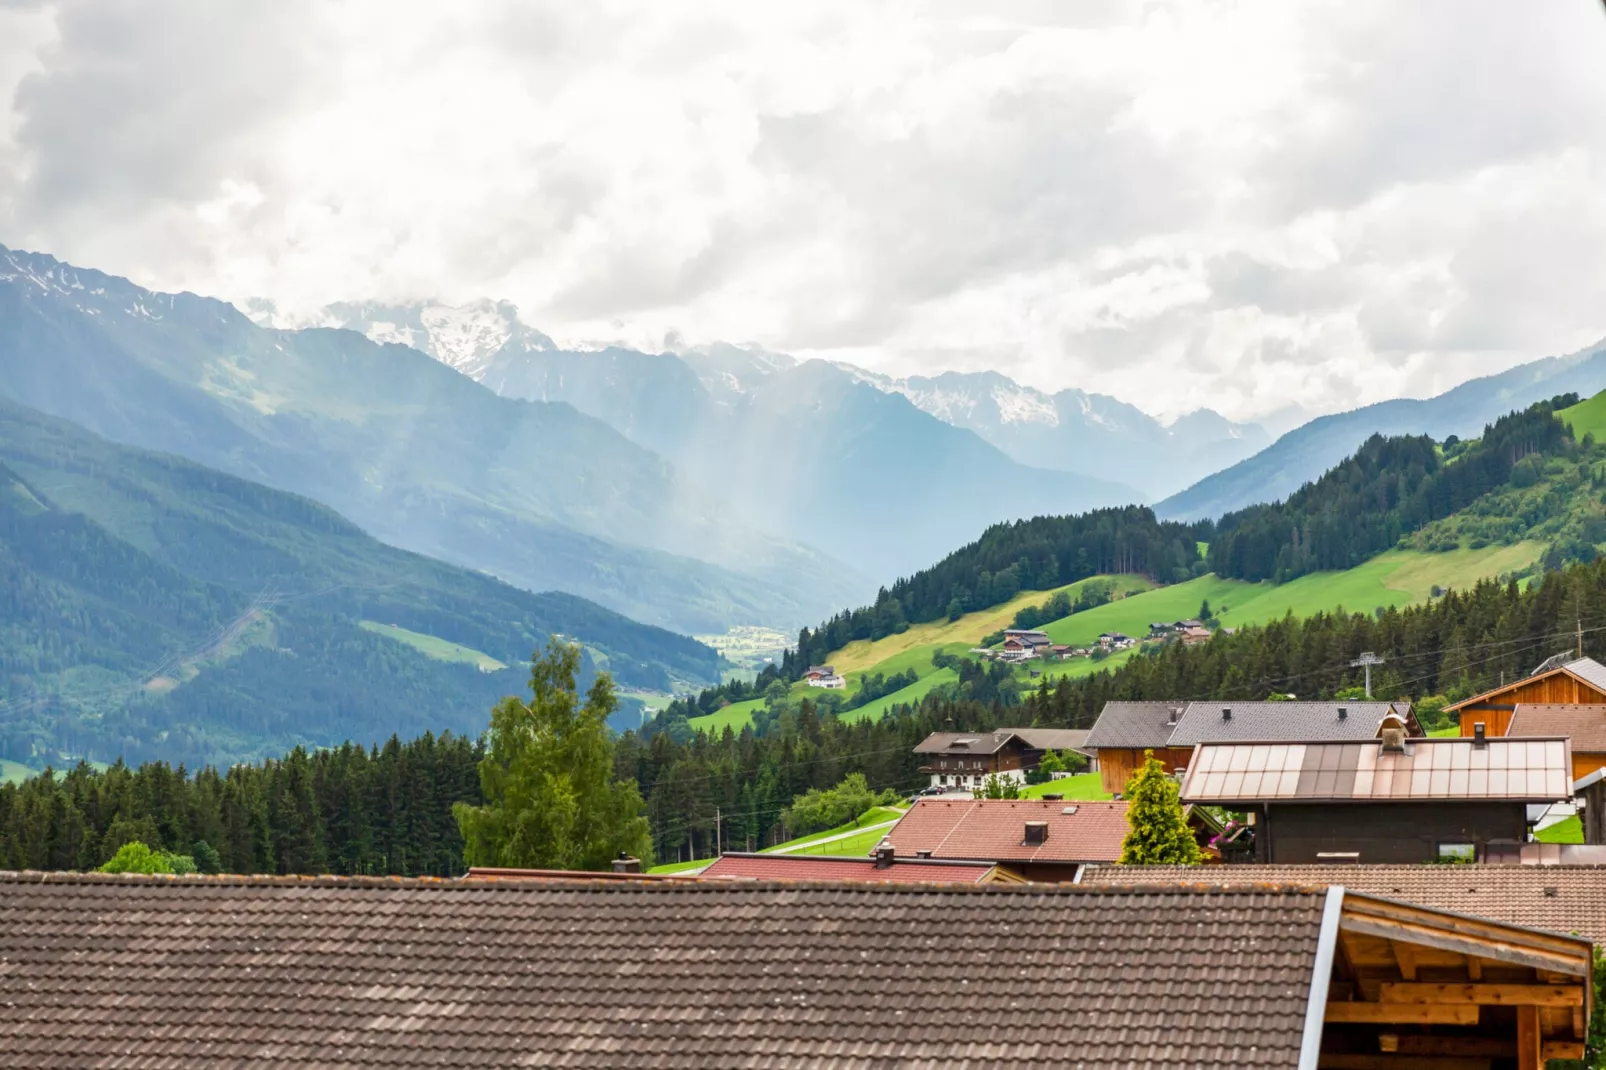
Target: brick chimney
{"points": [[625, 864], [884, 854]]}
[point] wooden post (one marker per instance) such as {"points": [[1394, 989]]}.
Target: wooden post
{"points": [[1529, 1039]]}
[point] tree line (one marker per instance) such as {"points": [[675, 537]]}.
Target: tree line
{"points": [[1390, 488]]}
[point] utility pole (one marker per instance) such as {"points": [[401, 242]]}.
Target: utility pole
{"points": [[1367, 659], [719, 842], [1580, 652]]}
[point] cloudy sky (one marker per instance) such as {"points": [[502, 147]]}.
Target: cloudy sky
{"points": [[1241, 205]]}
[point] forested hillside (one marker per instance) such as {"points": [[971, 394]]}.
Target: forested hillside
{"points": [[1390, 488], [1037, 554], [151, 606]]}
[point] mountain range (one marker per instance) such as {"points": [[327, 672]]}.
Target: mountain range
{"points": [[1304, 453], [156, 607]]}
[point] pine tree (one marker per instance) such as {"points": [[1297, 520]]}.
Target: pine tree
{"points": [[1159, 834], [551, 801]]}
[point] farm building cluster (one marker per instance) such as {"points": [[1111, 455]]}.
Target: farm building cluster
{"points": [[1025, 644], [1371, 897]]}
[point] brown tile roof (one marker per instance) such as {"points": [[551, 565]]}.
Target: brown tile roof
{"points": [[1584, 725], [964, 743], [993, 830], [824, 868], [1529, 770], [1560, 899], [152, 972]]}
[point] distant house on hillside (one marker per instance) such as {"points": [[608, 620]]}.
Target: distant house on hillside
{"points": [[1194, 635], [1021, 644], [1116, 641], [824, 676]]}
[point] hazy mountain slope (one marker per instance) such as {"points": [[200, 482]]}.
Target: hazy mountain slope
{"points": [[150, 605], [1074, 431], [806, 449], [1306, 452], [410, 450]]}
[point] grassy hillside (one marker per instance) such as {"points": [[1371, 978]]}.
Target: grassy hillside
{"points": [[433, 647], [1588, 417]]}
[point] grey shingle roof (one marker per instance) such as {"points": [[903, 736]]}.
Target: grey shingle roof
{"points": [[152, 972], [1053, 738], [1202, 722], [1135, 725], [1560, 899], [1590, 671]]}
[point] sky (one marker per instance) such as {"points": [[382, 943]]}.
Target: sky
{"points": [[1246, 206]]}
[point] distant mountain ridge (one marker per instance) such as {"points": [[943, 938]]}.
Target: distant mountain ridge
{"points": [[413, 452], [151, 606], [1092, 435], [1304, 453]]}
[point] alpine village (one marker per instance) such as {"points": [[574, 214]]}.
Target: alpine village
{"points": [[922, 678]]}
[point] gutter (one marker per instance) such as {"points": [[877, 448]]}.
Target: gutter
{"points": [[1310, 1046]]}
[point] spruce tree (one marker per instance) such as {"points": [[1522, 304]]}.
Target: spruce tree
{"points": [[551, 801], [1159, 834]]}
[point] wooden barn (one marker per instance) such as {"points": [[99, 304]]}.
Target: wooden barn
{"points": [[1559, 681]]}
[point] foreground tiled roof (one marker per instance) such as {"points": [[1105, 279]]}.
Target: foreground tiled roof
{"points": [[1276, 722], [1525, 770], [821, 868], [993, 830], [1560, 899], [1134, 725], [1584, 725], [151, 972]]}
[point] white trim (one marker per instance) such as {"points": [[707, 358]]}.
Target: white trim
{"points": [[1310, 1047]]}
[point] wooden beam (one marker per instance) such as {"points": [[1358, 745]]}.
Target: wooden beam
{"points": [[1530, 1039], [1487, 995], [1404, 1013], [1404, 958], [1578, 1024], [1336, 1061], [1561, 1049], [1474, 968], [1358, 905], [1576, 964]]}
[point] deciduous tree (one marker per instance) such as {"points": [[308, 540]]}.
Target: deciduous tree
{"points": [[1158, 833]]}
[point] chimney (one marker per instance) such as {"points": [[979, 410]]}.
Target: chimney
{"points": [[625, 864], [883, 854], [923, 854], [1343, 712], [1171, 716], [1036, 834], [1393, 736], [1226, 713], [1479, 739]]}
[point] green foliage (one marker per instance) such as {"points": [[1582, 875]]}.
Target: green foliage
{"points": [[878, 685], [846, 802], [1037, 554], [1429, 711], [1158, 833], [1389, 489], [997, 787], [551, 799], [137, 857], [379, 810], [153, 608]]}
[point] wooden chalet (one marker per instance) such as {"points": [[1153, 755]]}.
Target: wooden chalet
{"points": [[1561, 680], [1171, 730], [1390, 800], [963, 761]]}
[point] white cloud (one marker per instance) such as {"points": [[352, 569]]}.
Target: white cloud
{"points": [[1244, 205]]}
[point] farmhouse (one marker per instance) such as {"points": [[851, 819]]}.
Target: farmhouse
{"points": [[964, 760], [1560, 680], [1394, 799], [1042, 841], [1171, 730], [880, 867], [824, 676], [593, 974], [1194, 635]]}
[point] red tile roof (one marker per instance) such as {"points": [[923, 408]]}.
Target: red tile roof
{"points": [[819, 868], [993, 830]]}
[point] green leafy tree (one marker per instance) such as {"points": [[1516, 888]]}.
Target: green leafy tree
{"points": [[137, 857], [847, 801], [1158, 834], [551, 800], [997, 787], [207, 860]]}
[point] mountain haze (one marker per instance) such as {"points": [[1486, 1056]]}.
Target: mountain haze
{"points": [[413, 452]]}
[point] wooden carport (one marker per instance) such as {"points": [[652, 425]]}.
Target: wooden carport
{"points": [[1413, 987]]}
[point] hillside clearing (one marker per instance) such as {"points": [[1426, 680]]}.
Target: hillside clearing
{"points": [[433, 647], [736, 716], [1588, 417], [1086, 787], [14, 772]]}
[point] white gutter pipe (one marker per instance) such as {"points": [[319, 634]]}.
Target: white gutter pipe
{"points": [[1310, 1047]]}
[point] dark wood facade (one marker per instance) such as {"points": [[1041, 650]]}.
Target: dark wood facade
{"points": [[1293, 833]]}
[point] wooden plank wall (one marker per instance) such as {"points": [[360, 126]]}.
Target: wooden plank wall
{"points": [[1557, 688], [1117, 766]]}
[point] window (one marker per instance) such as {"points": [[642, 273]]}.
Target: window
{"points": [[1458, 852]]}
